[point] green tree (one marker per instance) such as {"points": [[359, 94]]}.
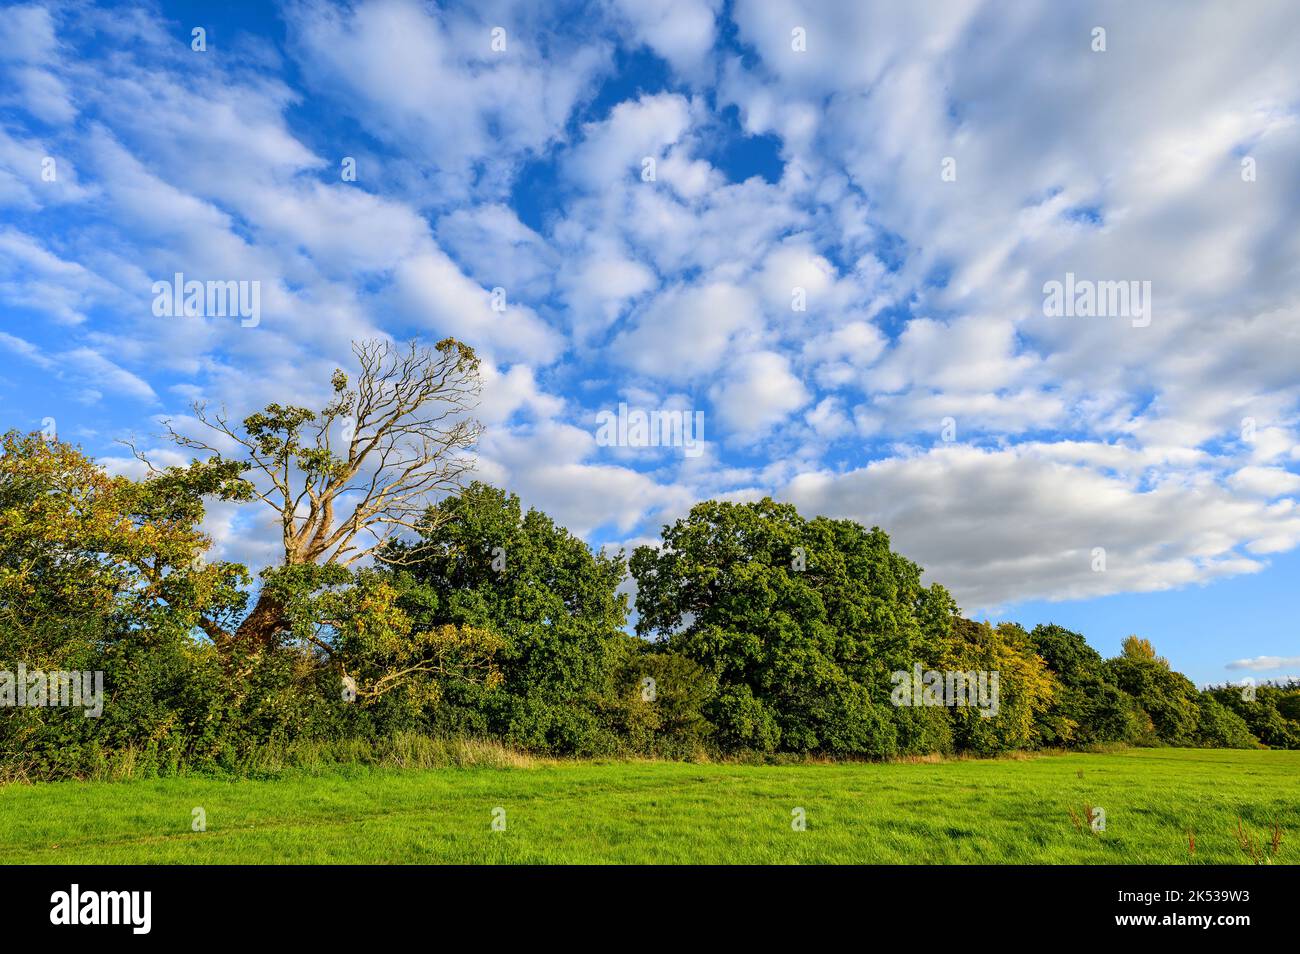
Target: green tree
{"points": [[103, 573], [1141, 650], [1026, 687], [656, 701], [351, 624], [1271, 712], [1219, 727], [801, 622], [1088, 707], [481, 561], [1167, 699]]}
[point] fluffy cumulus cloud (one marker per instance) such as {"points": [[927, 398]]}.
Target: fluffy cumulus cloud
{"points": [[826, 227], [759, 391], [467, 92], [1078, 531]]}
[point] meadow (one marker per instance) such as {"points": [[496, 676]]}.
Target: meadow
{"points": [[1022, 810]]}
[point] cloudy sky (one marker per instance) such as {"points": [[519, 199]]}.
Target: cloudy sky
{"points": [[828, 226]]}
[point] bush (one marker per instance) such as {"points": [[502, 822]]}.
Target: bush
{"points": [[741, 721], [1220, 728]]}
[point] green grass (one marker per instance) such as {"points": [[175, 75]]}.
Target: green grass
{"points": [[958, 812]]}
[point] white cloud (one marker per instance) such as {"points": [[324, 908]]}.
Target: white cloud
{"points": [[431, 290], [27, 34], [506, 393], [547, 467], [91, 368], [498, 250], [28, 44], [24, 349], [31, 276], [1265, 481], [757, 392], [828, 419], [1265, 663], [1009, 525], [681, 31], [431, 81], [615, 148], [969, 354], [598, 288], [687, 331]]}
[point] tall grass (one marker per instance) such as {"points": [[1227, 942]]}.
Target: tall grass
{"points": [[409, 750], [414, 750], [406, 750]]}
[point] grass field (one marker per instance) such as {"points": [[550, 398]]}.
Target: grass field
{"points": [[1004, 811]]}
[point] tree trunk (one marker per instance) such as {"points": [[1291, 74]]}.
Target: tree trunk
{"points": [[259, 628]]}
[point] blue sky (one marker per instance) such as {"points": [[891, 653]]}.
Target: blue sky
{"points": [[913, 174]]}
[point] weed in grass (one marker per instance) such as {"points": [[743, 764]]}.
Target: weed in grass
{"points": [[1259, 854], [1093, 820]]}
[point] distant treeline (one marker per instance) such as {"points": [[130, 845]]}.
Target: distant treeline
{"points": [[758, 631]]}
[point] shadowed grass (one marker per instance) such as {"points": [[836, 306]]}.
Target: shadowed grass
{"points": [[997, 811]]}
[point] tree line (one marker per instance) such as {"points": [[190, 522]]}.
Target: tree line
{"points": [[411, 599]]}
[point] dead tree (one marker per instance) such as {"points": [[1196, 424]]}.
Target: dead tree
{"points": [[343, 481]]}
